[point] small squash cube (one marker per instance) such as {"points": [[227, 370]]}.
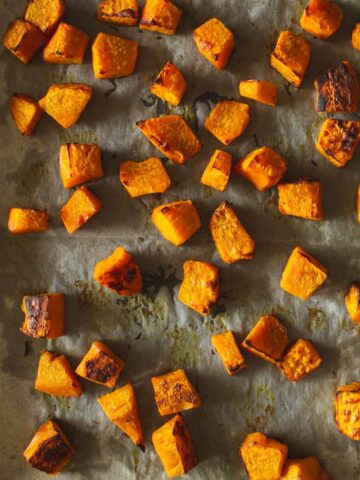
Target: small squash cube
{"points": [[79, 209], [119, 273], [302, 275], [172, 136], [44, 315], [231, 239], [301, 198], [291, 57], [268, 339], [121, 12], [49, 450], [300, 360], [67, 45], [228, 350], [173, 444], [176, 221], [355, 38], [308, 468], [263, 457], [215, 41], [27, 220], [174, 393], [160, 16], [144, 178], [120, 406], [263, 167], [217, 171], [45, 14], [228, 120], [79, 163], [260, 91], [322, 18], [25, 112], [352, 302], [169, 85], [65, 102], [100, 365], [347, 407], [56, 377], [23, 40], [199, 289]]}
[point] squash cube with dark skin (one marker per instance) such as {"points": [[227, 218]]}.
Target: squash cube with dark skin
{"points": [[260, 91], [301, 198], [338, 140], [352, 302], [228, 120], [229, 352], [27, 220], [121, 12], [347, 406], [67, 46], [144, 178], [322, 18], [79, 163], [300, 360], [45, 14], [79, 209], [160, 16], [44, 315], [308, 468], [169, 85], [217, 171], [25, 112], [355, 38], [23, 40]]}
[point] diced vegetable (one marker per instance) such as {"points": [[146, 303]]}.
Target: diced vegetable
{"points": [[25, 112], [259, 90], [45, 14], [169, 85], [144, 178], [160, 16], [215, 41], [352, 301], [27, 220], [301, 198], [347, 407], [308, 468], [79, 209], [79, 163], [228, 350], [322, 18], [122, 12], [67, 45], [44, 315], [300, 360], [217, 171], [23, 40], [228, 120]]}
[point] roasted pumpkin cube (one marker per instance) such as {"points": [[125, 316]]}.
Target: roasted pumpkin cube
{"points": [[300, 360], [231, 239], [228, 350], [169, 85], [228, 120], [263, 457], [291, 57], [176, 221], [337, 90], [301, 198], [27, 220], [217, 171], [23, 40], [120, 406], [199, 289], [144, 178], [174, 393], [45, 14], [65, 102], [322, 18], [348, 410], [79, 209], [56, 377], [268, 339], [119, 273], [122, 12], [79, 163], [352, 302], [160, 16], [260, 91], [67, 45], [172, 136], [44, 315], [355, 38], [308, 468], [338, 140], [263, 167], [215, 41], [302, 275], [49, 450], [173, 444], [25, 112], [101, 365]]}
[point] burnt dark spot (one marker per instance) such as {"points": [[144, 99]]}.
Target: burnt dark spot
{"points": [[235, 368], [215, 56], [50, 454], [126, 13], [141, 123], [336, 89], [101, 368], [149, 23], [159, 80], [37, 316]]}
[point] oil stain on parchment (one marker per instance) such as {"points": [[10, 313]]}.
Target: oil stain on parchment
{"points": [[89, 295], [257, 406], [316, 320]]}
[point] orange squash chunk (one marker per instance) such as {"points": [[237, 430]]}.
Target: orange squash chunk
{"points": [[67, 45], [120, 406], [215, 41], [169, 85], [160, 16], [300, 360], [260, 91], [302, 275], [355, 38], [49, 450], [322, 18], [352, 302], [174, 393], [347, 407], [228, 350], [172, 136], [45, 14], [56, 377], [25, 112], [308, 468], [176, 221], [79, 209], [217, 171], [291, 57], [144, 178], [122, 12], [228, 120], [44, 315], [173, 444], [301, 198], [79, 163], [27, 220], [119, 273], [231, 239], [23, 40]]}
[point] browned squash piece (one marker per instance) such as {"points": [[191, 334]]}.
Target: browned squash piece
{"points": [[79, 209], [144, 178], [67, 45], [23, 40], [169, 85], [79, 163], [217, 171], [160, 16], [348, 410], [122, 12], [352, 302], [322, 18], [27, 220], [45, 14], [229, 352], [215, 42], [44, 315], [301, 198], [300, 360]]}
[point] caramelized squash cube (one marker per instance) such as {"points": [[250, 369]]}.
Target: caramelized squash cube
{"points": [[44, 315], [121, 12], [67, 45], [23, 40], [301, 198], [169, 85], [300, 360], [260, 91], [160, 16], [355, 38], [228, 120], [347, 407], [27, 220], [25, 112], [79, 163], [308, 468], [352, 302], [79, 209], [322, 18], [45, 14], [217, 171], [229, 352], [144, 178]]}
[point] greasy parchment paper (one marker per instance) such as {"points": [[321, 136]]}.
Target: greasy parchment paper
{"points": [[153, 332]]}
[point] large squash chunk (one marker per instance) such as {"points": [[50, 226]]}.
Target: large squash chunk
{"points": [[352, 302], [44, 315], [122, 12], [144, 178], [300, 360], [307, 468], [23, 40], [260, 91], [160, 16], [67, 45], [322, 18], [169, 85], [45, 14], [25, 112], [79, 209], [27, 220], [229, 352], [217, 171], [348, 410], [228, 120], [301, 198], [79, 163]]}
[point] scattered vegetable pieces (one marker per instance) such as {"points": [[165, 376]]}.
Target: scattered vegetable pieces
{"points": [[300, 360], [347, 407], [23, 40], [322, 18], [79, 209], [160, 16], [122, 12], [301, 198], [352, 302], [217, 171], [260, 91], [67, 45], [228, 120], [44, 315], [79, 163], [27, 220], [144, 178], [229, 352], [45, 14], [169, 85]]}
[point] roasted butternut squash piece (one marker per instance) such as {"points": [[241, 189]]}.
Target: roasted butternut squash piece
{"points": [[65, 102], [23, 40], [122, 12], [308, 468], [176, 221], [172, 136], [79, 163], [231, 239], [263, 457], [27, 220], [300, 360], [49, 450], [119, 273], [301, 198], [101, 365], [169, 85], [173, 444], [260, 91], [174, 393], [352, 302], [228, 351], [160, 16], [228, 120], [347, 407], [199, 289], [144, 178], [56, 377], [322, 18], [217, 171], [355, 38], [79, 209], [215, 41], [44, 315], [67, 45], [25, 112], [302, 275], [291, 57], [120, 406], [45, 14]]}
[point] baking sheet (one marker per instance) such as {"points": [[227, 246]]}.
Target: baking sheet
{"points": [[153, 332]]}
